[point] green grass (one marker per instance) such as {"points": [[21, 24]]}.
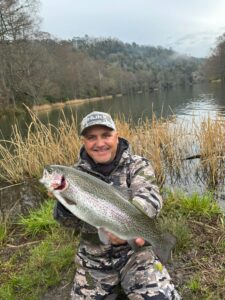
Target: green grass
{"points": [[39, 221], [42, 270], [181, 209], [198, 223], [3, 232], [179, 228], [194, 205], [204, 206], [30, 271], [194, 284]]}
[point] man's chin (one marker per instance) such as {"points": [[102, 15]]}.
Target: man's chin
{"points": [[102, 160]]}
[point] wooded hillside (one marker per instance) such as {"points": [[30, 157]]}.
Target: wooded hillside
{"points": [[37, 68]]}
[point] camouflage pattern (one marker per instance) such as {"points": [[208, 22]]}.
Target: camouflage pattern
{"points": [[102, 268], [140, 274]]}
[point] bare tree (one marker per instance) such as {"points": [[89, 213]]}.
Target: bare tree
{"points": [[215, 65], [18, 22], [17, 18]]}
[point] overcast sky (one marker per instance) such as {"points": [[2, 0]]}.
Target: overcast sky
{"points": [[188, 26]]}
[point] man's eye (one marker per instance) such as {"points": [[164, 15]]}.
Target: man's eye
{"points": [[90, 138]]}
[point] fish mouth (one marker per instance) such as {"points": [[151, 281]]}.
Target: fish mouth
{"points": [[62, 186]]}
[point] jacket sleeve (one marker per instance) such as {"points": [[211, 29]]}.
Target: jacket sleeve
{"points": [[145, 192], [62, 215]]}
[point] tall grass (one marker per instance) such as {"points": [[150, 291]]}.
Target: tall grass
{"points": [[163, 141], [24, 157], [159, 140], [212, 147]]}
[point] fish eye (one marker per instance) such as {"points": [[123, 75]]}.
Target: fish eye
{"points": [[49, 169]]}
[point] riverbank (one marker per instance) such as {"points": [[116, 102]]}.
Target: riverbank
{"points": [[11, 110], [60, 105], [36, 253], [50, 106]]}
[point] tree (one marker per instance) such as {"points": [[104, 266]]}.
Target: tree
{"points": [[18, 22], [17, 18], [215, 64]]}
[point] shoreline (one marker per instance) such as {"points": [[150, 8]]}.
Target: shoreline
{"points": [[60, 105]]}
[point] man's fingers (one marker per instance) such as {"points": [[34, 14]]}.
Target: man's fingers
{"points": [[140, 242], [115, 240]]}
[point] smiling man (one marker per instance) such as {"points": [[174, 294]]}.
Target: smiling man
{"points": [[102, 268]]}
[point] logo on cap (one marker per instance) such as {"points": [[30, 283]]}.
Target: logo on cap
{"points": [[97, 118]]}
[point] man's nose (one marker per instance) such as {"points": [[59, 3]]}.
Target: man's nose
{"points": [[100, 142]]}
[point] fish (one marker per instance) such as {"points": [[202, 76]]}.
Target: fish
{"points": [[105, 207]]}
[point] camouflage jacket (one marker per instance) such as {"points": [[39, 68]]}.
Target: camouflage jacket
{"points": [[129, 172]]}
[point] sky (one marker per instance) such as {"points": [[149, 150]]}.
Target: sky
{"points": [[189, 27]]}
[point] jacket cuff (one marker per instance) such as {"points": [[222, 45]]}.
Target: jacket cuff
{"points": [[145, 207]]}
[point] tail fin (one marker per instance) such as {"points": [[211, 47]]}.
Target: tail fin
{"points": [[164, 248]]}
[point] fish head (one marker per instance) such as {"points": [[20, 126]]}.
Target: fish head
{"points": [[54, 179]]}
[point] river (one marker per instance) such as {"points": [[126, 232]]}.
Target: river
{"points": [[183, 102]]}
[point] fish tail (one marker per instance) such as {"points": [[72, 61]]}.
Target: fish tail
{"points": [[164, 247]]}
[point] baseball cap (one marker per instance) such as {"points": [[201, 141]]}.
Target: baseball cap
{"points": [[97, 118]]}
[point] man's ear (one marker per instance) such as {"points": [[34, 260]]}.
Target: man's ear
{"points": [[117, 137], [82, 139]]}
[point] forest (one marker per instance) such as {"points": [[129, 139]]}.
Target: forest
{"points": [[37, 68], [214, 67]]}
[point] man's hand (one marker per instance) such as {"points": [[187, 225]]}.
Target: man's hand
{"points": [[139, 242], [117, 241]]}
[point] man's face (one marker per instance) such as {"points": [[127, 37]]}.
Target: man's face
{"points": [[101, 142]]}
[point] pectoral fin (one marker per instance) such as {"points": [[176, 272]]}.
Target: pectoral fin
{"points": [[133, 245], [103, 236]]}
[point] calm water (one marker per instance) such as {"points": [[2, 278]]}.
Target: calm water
{"points": [[199, 100]]}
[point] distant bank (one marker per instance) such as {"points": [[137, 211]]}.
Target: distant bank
{"points": [[45, 107]]}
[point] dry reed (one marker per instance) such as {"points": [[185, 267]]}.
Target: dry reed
{"points": [[165, 142], [212, 149], [160, 141], [24, 157]]}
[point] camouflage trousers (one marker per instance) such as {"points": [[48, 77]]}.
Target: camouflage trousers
{"points": [[101, 270]]}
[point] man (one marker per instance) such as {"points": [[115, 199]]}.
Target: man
{"points": [[101, 268]]}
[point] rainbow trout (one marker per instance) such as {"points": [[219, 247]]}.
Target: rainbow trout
{"points": [[104, 207]]}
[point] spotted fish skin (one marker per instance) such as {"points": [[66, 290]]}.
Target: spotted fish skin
{"points": [[104, 207]]}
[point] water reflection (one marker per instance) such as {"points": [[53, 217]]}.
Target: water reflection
{"points": [[198, 100]]}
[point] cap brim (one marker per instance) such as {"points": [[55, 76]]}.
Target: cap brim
{"points": [[103, 125]]}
